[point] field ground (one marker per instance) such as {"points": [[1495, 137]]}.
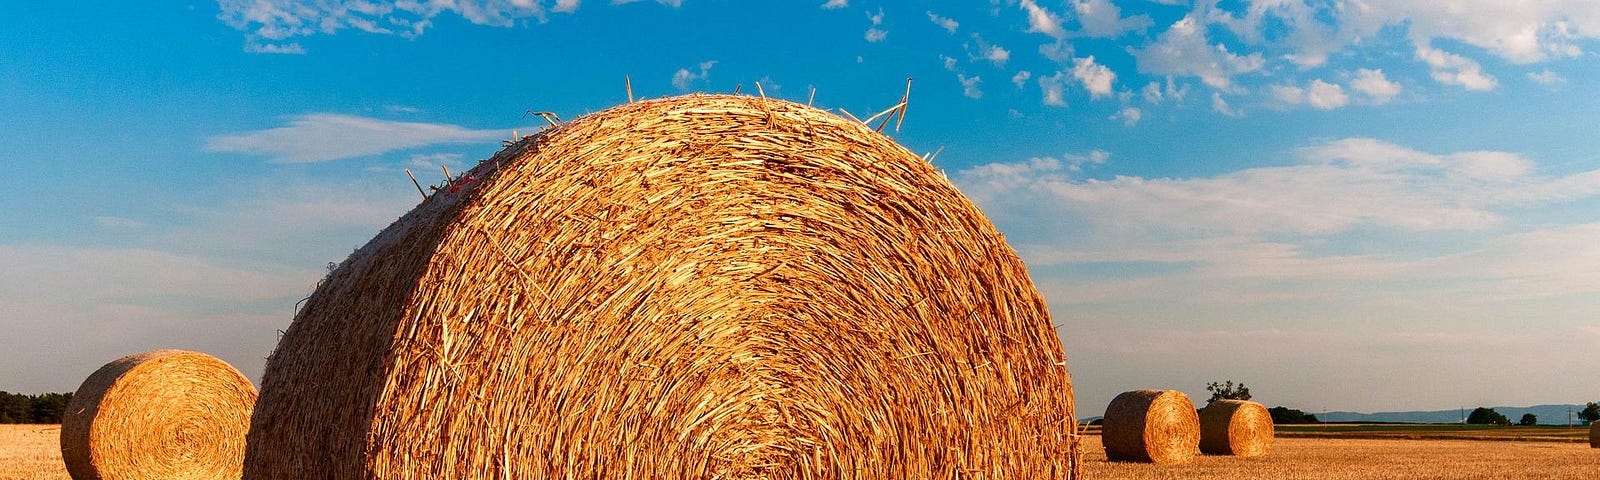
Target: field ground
{"points": [[1331, 452]]}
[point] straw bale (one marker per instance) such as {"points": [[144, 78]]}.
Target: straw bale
{"points": [[1153, 426], [705, 286], [167, 414], [1594, 434], [1235, 427]]}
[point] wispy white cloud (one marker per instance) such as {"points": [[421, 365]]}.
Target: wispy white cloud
{"points": [[1375, 85], [275, 48], [1041, 20], [835, 4], [1128, 116], [1452, 69], [1054, 89], [1326, 96], [1184, 49], [875, 34], [949, 24], [1021, 78], [118, 223], [969, 85], [321, 137], [1547, 78], [686, 79], [565, 6], [1220, 105], [1102, 19], [1095, 77]]}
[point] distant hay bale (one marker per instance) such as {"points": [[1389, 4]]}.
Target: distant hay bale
{"points": [[1594, 434], [694, 287], [1156, 426], [167, 414], [1235, 427]]}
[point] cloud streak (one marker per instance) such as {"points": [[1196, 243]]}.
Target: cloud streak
{"points": [[320, 137]]}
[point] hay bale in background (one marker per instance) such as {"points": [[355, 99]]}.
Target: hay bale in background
{"points": [[1157, 426], [167, 414], [1594, 434], [1235, 427], [692, 287]]}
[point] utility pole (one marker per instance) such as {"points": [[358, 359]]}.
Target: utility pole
{"points": [[1569, 417]]}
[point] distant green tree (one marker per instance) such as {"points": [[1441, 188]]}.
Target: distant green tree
{"points": [[1590, 413], [1528, 419], [14, 408], [48, 407], [1288, 416], [1487, 416], [1227, 391]]}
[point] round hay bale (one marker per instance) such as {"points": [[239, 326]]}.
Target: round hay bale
{"points": [[1594, 434], [1153, 426], [1235, 427], [158, 414], [691, 287]]}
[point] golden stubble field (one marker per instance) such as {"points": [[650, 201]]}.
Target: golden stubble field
{"points": [[32, 452]]}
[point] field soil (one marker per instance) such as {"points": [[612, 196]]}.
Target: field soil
{"points": [[33, 452]]}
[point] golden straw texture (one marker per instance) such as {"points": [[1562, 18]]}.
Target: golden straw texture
{"points": [[167, 414], [706, 286], [1235, 427], [1155, 426]]}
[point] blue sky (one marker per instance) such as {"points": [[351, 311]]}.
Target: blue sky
{"points": [[1346, 204]]}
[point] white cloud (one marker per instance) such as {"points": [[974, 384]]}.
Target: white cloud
{"points": [[1095, 77], [1054, 89], [950, 25], [1102, 19], [1452, 69], [835, 4], [948, 62], [1128, 115], [1154, 93], [320, 137], [1021, 78], [1221, 106], [969, 86], [1547, 78], [1041, 20], [1288, 94], [686, 80], [1185, 50], [997, 55], [565, 6], [401, 109], [874, 34], [283, 19], [275, 48], [1326, 96], [1375, 85], [1519, 32]]}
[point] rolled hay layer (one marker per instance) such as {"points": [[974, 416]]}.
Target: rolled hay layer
{"points": [[691, 287], [166, 414], [1154, 426], [1235, 427]]}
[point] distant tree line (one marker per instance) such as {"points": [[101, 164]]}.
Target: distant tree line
{"points": [[41, 408]]}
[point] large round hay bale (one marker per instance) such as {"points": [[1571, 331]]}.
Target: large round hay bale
{"points": [[1594, 434], [1155, 426], [167, 414], [1235, 427], [692, 287]]}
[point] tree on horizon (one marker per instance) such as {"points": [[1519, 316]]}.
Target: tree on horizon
{"points": [[1227, 391]]}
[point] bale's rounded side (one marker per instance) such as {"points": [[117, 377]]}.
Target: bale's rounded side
{"points": [[166, 414], [1594, 434], [697, 287], [1155, 426], [1235, 427]]}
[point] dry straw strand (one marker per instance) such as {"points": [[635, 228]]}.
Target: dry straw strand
{"points": [[1155, 426], [698, 287], [166, 414], [1235, 427]]}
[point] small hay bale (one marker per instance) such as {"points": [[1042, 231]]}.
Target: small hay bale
{"points": [[1154, 426], [697, 287], [167, 414], [1235, 427], [1594, 434]]}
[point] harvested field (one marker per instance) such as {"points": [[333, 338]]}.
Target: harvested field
{"points": [[31, 452], [1350, 459]]}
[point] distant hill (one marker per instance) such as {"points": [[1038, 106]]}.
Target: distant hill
{"points": [[1548, 415]]}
